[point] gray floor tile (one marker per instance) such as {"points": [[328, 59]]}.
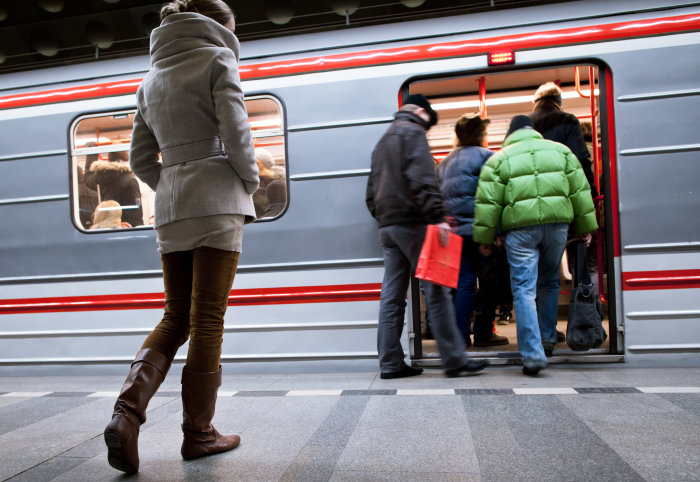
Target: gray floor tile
{"points": [[314, 463], [323, 381], [689, 402], [48, 470], [336, 429], [545, 437], [32, 410], [656, 437], [22, 451], [375, 475], [261, 393], [373, 445]]}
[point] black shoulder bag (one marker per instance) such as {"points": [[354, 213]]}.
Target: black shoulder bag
{"points": [[584, 329]]}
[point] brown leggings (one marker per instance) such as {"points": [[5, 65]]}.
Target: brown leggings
{"points": [[197, 286]]}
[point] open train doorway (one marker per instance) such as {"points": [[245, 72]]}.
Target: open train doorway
{"points": [[499, 97]]}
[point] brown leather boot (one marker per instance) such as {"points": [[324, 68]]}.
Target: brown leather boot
{"points": [[198, 402], [121, 435]]}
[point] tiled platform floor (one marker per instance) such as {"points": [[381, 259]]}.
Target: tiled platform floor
{"points": [[575, 422]]}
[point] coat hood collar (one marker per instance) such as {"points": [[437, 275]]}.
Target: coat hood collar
{"points": [[182, 32], [409, 116], [521, 135]]}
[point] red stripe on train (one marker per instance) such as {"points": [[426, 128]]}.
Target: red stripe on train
{"points": [[531, 40], [143, 301], [612, 162], [661, 280]]}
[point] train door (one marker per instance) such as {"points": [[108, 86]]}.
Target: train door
{"points": [[499, 97]]}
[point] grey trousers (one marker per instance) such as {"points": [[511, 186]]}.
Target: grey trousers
{"points": [[401, 246]]}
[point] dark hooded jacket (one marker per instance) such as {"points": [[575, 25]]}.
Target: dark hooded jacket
{"points": [[115, 181], [559, 126], [403, 187], [459, 177]]}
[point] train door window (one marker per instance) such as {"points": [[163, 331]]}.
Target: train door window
{"points": [[501, 96], [107, 195]]}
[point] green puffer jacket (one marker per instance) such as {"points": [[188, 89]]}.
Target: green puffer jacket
{"points": [[532, 181]]}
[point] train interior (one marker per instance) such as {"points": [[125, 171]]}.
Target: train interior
{"points": [[499, 97], [106, 137]]}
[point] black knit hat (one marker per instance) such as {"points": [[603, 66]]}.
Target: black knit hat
{"points": [[421, 101], [519, 122]]}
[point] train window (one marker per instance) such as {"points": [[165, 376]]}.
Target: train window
{"points": [[107, 195]]}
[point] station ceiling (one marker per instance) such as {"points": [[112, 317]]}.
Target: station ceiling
{"points": [[39, 33]]}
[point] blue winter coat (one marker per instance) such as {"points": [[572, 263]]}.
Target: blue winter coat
{"points": [[459, 178]]}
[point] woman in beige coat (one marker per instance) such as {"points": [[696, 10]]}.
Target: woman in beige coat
{"points": [[191, 110]]}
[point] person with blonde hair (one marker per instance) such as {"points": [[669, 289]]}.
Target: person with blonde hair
{"points": [[108, 215], [191, 110], [550, 120]]}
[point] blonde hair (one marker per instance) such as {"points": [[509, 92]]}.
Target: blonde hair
{"points": [[107, 215], [217, 10]]}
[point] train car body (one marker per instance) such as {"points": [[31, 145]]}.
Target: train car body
{"points": [[310, 274]]}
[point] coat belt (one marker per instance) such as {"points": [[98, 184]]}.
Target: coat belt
{"points": [[192, 151]]}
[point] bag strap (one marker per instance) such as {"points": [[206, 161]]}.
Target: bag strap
{"points": [[582, 273]]}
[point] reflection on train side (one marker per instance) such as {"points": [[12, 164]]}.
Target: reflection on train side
{"points": [[107, 195]]}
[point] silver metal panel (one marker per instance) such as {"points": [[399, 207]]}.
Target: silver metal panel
{"points": [[328, 150], [662, 320], [326, 220], [35, 177], [657, 165], [30, 135], [339, 101]]}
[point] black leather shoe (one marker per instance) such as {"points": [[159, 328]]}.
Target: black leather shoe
{"points": [[531, 371], [472, 366], [403, 373], [548, 352]]}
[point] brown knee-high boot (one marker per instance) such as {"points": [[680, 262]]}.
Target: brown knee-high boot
{"points": [[198, 403], [121, 435]]}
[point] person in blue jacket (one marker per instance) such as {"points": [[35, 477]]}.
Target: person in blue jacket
{"points": [[459, 178]]}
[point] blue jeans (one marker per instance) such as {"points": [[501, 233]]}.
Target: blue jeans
{"points": [[534, 254], [401, 246]]}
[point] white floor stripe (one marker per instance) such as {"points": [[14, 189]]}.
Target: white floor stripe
{"points": [[104, 394], [227, 393], [26, 394], [435, 391], [669, 389], [545, 391], [311, 393]]}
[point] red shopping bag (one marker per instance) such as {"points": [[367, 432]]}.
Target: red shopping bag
{"points": [[437, 264]]}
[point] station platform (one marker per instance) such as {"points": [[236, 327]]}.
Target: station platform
{"points": [[573, 422]]}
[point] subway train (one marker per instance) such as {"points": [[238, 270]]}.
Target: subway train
{"points": [[77, 294]]}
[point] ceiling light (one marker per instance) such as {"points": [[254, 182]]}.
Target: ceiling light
{"points": [[412, 3], [99, 34], [3, 12], [279, 12], [44, 43], [345, 7], [51, 6], [519, 99]]}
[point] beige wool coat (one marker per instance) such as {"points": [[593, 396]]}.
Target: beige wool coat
{"points": [[191, 109]]}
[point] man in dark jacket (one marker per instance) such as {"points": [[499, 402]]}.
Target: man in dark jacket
{"points": [[403, 195], [549, 119]]}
